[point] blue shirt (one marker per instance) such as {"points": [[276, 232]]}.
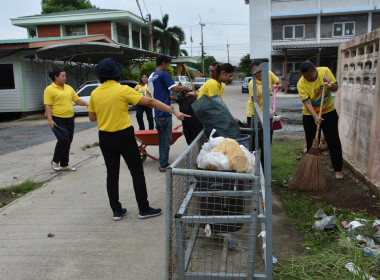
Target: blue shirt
{"points": [[160, 84]]}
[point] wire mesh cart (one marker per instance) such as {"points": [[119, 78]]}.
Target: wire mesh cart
{"points": [[214, 218]]}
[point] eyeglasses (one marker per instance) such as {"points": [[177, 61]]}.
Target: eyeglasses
{"points": [[210, 70]]}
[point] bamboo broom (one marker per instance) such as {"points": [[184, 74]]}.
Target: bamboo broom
{"points": [[309, 175]]}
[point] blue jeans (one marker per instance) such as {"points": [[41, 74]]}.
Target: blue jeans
{"points": [[164, 129]]}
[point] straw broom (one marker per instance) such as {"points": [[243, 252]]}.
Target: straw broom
{"points": [[309, 175]]}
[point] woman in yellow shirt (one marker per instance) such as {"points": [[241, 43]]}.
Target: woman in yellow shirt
{"points": [[108, 105], [58, 98], [222, 73], [143, 89], [273, 80]]}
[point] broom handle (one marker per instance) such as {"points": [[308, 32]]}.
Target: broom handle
{"points": [[320, 108], [188, 74]]}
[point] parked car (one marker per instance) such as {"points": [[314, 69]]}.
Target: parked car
{"points": [[244, 86], [198, 82], [293, 78], [85, 90], [183, 81]]}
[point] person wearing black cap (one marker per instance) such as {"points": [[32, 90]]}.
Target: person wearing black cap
{"points": [[109, 106]]}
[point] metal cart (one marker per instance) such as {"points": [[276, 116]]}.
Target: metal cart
{"points": [[214, 218]]}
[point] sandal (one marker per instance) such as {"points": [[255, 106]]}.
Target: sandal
{"points": [[55, 166]]}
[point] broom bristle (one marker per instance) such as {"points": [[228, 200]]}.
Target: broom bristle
{"points": [[309, 175]]}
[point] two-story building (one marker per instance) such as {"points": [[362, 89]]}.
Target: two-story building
{"points": [[289, 31]]}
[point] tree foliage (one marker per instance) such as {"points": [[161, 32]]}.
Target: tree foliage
{"points": [[167, 39], [150, 66], [53, 6], [244, 64], [207, 60]]}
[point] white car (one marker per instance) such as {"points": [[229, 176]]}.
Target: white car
{"points": [[183, 81], [85, 90]]}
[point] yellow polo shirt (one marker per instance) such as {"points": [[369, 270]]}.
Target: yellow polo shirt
{"points": [[210, 88], [60, 100], [273, 79], [110, 101], [143, 90], [313, 91]]}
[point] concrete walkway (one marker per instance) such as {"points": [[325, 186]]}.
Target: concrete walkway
{"points": [[64, 230]]}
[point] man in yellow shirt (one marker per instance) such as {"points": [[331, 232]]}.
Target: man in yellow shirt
{"points": [[109, 106], [310, 88]]}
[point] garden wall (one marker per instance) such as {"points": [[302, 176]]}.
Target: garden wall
{"points": [[358, 105]]}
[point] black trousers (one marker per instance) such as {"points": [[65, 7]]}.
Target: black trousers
{"points": [[330, 130], [123, 143], [64, 131], [261, 140]]}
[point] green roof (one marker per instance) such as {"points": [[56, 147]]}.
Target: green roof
{"points": [[32, 40], [76, 12]]}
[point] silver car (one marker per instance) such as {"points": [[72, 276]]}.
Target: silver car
{"points": [[244, 86], [198, 82]]}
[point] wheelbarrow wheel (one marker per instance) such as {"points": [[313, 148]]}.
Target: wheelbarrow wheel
{"points": [[143, 157]]}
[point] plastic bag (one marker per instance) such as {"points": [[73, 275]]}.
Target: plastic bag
{"points": [[320, 225], [213, 161], [251, 160], [231, 148]]}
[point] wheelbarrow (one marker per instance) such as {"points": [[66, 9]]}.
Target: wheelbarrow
{"points": [[150, 138]]}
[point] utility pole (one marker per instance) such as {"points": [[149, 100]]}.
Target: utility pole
{"points": [[203, 54], [150, 33], [228, 52]]}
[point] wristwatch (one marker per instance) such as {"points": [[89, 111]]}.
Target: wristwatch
{"points": [[171, 110]]}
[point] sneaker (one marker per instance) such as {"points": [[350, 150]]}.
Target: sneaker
{"points": [[151, 212], [55, 166], [68, 168], [338, 175], [119, 214]]}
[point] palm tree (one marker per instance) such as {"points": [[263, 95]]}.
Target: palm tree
{"points": [[167, 39]]}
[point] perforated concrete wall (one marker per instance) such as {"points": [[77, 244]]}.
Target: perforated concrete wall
{"points": [[358, 104]]}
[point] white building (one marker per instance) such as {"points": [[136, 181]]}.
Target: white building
{"points": [[289, 31]]}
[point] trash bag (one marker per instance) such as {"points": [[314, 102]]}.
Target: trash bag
{"points": [[191, 126], [213, 113]]}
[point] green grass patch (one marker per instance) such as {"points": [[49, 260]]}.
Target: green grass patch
{"points": [[286, 156], [8, 194], [326, 254]]}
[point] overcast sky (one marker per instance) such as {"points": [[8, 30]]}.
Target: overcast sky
{"points": [[226, 21]]}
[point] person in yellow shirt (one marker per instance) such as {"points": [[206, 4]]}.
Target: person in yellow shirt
{"points": [[108, 105], [143, 89], [222, 73], [211, 72], [58, 98], [310, 88], [273, 80]]}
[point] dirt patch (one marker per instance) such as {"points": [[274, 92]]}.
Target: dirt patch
{"points": [[348, 193]]}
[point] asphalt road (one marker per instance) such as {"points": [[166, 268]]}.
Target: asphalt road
{"points": [[18, 138], [34, 130]]}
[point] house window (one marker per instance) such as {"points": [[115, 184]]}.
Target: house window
{"points": [[344, 29], [7, 80], [294, 31], [75, 30], [294, 28]]}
